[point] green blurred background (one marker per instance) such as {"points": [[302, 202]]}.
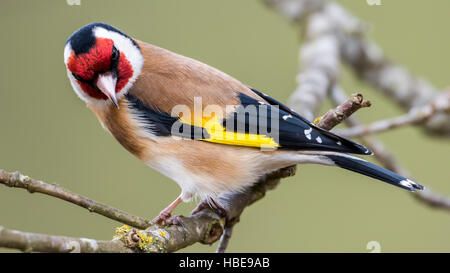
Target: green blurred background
{"points": [[48, 133]]}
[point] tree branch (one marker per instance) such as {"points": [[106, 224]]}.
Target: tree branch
{"points": [[225, 239], [204, 227], [433, 199], [417, 115], [18, 180], [34, 242], [342, 112]]}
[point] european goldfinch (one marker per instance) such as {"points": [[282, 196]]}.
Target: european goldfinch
{"points": [[200, 127]]}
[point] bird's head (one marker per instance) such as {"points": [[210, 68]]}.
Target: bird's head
{"points": [[102, 63]]}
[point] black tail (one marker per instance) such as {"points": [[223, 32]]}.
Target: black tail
{"points": [[358, 165]]}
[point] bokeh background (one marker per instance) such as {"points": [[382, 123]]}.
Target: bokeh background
{"points": [[47, 133]]}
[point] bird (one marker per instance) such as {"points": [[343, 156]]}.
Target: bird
{"points": [[195, 124]]}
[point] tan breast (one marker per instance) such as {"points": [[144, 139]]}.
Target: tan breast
{"points": [[118, 122]]}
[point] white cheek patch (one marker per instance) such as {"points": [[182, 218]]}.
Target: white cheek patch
{"points": [[76, 87], [127, 47], [67, 53]]}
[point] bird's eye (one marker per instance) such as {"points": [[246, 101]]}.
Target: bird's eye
{"points": [[115, 54], [78, 78]]}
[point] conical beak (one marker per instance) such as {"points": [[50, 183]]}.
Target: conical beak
{"points": [[107, 84]]}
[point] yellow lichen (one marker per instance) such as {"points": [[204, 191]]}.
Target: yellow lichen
{"points": [[121, 231], [145, 241], [127, 235], [162, 233], [316, 120]]}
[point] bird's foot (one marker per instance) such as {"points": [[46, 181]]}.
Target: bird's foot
{"points": [[202, 205], [165, 218], [216, 207]]}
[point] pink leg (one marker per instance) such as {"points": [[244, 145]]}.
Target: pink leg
{"points": [[165, 217]]}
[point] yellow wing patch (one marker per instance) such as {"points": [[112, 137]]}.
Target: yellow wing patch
{"points": [[219, 134]]}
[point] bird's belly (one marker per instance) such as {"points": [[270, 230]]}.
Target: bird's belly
{"points": [[190, 184], [204, 169]]}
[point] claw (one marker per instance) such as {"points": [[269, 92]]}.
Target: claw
{"points": [[165, 214], [202, 205], [218, 209], [165, 218]]}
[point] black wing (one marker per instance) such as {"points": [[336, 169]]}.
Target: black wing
{"points": [[294, 131]]}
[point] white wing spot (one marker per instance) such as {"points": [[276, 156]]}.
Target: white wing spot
{"points": [[339, 143], [318, 139], [285, 117], [308, 133], [411, 182], [261, 102], [406, 183]]}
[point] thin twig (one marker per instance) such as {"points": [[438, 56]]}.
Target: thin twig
{"points": [[225, 239], [416, 115], [338, 96], [335, 116], [433, 199], [18, 180]]}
